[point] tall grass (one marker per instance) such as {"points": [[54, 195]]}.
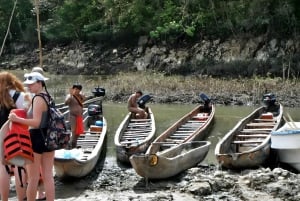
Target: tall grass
{"points": [[120, 86]]}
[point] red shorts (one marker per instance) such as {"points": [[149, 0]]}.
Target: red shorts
{"points": [[79, 125]]}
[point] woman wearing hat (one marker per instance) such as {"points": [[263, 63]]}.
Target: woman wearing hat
{"points": [[75, 102], [37, 117]]}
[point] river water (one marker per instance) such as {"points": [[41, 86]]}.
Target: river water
{"points": [[167, 114]]}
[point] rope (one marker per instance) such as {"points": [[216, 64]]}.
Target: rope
{"points": [[8, 27]]}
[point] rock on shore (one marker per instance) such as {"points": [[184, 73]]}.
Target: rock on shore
{"points": [[205, 182]]}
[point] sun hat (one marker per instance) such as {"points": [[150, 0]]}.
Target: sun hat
{"points": [[33, 77], [37, 69]]}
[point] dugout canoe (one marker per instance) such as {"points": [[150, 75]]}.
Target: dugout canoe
{"points": [[194, 126], [134, 136], [248, 144], [80, 161]]}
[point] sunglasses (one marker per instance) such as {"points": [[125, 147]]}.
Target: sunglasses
{"points": [[30, 78]]}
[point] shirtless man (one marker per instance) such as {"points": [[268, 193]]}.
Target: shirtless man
{"points": [[75, 102], [133, 106]]}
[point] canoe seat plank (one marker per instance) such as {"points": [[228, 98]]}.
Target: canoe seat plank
{"points": [[190, 126], [137, 129], [254, 131], [177, 137], [92, 132], [257, 129], [85, 140], [173, 140], [251, 135], [179, 132], [197, 121], [261, 124], [131, 137], [139, 120], [265, 120], [187, 130], [136, 134], [246, 142], [139, 125], [85, 143]]}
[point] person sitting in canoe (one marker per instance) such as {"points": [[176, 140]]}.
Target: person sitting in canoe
{"points": [[133, 106]]}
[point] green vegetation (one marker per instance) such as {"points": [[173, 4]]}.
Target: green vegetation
{"points": [[168, 20]]}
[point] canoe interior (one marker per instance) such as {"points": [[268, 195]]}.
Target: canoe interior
{"points": [[134, 135], [248, 144], [252, 131], [193, 126]]}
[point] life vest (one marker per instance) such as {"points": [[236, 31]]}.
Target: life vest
{"points": [[17, 144]]}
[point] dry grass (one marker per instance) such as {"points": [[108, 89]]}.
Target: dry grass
{"points": [[157, 84]]}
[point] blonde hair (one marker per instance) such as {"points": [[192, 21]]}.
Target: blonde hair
{"points": [[9, 81]]}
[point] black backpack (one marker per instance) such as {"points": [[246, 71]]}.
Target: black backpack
{"points": [[4, 112]]}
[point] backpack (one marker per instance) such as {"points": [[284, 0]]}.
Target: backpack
{"points": [[57, 135], [4, 112]]}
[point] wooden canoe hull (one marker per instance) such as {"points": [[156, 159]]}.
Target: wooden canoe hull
{"points": [[91, 145], [254, 146], [172, 161], [185, 134], [134, 136]]}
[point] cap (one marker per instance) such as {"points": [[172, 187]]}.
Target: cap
{"points": [[33, 77]]}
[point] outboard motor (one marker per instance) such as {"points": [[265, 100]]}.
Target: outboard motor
{"points": [[143, 100], [205, 98], [95, 112], [98, 91], [269, 99]]}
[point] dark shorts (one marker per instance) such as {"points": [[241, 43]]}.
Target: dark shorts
{"points": [[37, 140]]}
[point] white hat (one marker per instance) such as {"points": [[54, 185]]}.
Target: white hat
{"points": [[37, 69], [33, 77]]}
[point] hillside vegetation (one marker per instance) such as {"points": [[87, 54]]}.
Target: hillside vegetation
{"points": [[109, 21], [170, 24]]}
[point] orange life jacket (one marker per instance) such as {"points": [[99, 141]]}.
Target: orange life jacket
{"points": [[17, 144]]}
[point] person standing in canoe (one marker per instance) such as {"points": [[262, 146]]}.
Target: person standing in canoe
{"points": [[75, 101], [133, 107]]}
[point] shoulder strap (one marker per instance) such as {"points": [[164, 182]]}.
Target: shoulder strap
{"points": [[79, 102], [43, 96], [16, 96]]}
